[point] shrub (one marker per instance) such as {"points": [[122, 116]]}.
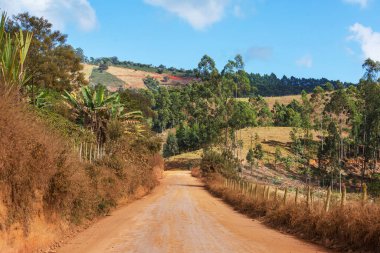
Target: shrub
{"points": [[214, 162]]}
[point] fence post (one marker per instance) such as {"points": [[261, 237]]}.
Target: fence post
{"points": [[268, 193], [328, 197], [364, 194], [264, 191], [91, 153], [80, 152], [296, 197], [311, 197], [308, 197], [285, 195], [86, 157], [275, 194], [343, 197]]}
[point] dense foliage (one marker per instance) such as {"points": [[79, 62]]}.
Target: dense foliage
{"points": [[51, 62]]}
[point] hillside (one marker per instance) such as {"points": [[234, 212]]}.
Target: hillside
{"points": [[127, 78], [281, 99], [116, 77], [269, 138]]}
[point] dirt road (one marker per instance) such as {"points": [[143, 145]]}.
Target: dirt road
{"points": [[181, 216]]}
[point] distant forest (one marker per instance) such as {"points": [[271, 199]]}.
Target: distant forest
{"points": [[263, 85]]}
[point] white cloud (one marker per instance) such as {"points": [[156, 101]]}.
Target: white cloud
{"points": [[305, 61], [368, 39], [200, 14], [58, 12], [362, 3]]}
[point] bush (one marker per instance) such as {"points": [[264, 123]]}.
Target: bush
{"points": [[224, 163], [171, 146]]}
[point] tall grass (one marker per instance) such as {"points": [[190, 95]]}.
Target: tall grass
{"points": [[349, 226]]}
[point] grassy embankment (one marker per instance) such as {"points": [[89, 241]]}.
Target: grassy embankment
{"points": [[46, 192]]}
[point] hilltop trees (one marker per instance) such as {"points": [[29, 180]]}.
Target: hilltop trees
{"points": [[206, 68]]}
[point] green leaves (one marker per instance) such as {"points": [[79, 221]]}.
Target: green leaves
{"points": [[13, 53], [95, 107]]}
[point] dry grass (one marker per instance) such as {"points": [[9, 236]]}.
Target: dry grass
{"points": [[134, 78], [269, 137], [352, 227], [87, 71], [43, 187], [282, 100]]}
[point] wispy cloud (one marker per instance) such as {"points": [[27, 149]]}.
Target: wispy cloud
{"points": [[305, 61], [259, 53], [361, 3], [368, 39], [200, 14], [58, 12]]}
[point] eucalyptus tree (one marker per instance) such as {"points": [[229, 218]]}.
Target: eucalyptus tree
{"points": [[369, 90]]}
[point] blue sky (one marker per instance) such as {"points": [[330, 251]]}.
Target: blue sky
{"points": [[303, 38]]}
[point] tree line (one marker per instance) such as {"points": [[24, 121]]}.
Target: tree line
{"points": [[251, 84]]}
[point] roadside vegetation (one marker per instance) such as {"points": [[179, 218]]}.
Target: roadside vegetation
{"points": [[74, 143], [324, 219], [332, 149], [69, 152]]}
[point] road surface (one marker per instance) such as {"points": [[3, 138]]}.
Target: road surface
{"points": [[181, 216]]}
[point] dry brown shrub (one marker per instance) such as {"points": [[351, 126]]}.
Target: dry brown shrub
{"points": [[29, 158], [196, 172]]}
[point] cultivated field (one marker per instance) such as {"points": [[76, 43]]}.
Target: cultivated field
{"points": [[131, 78]]}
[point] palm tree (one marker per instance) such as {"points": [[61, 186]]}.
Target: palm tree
{"points": [[95, 107]]}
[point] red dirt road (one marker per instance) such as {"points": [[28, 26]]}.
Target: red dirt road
{"points": [[181, 216]]}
